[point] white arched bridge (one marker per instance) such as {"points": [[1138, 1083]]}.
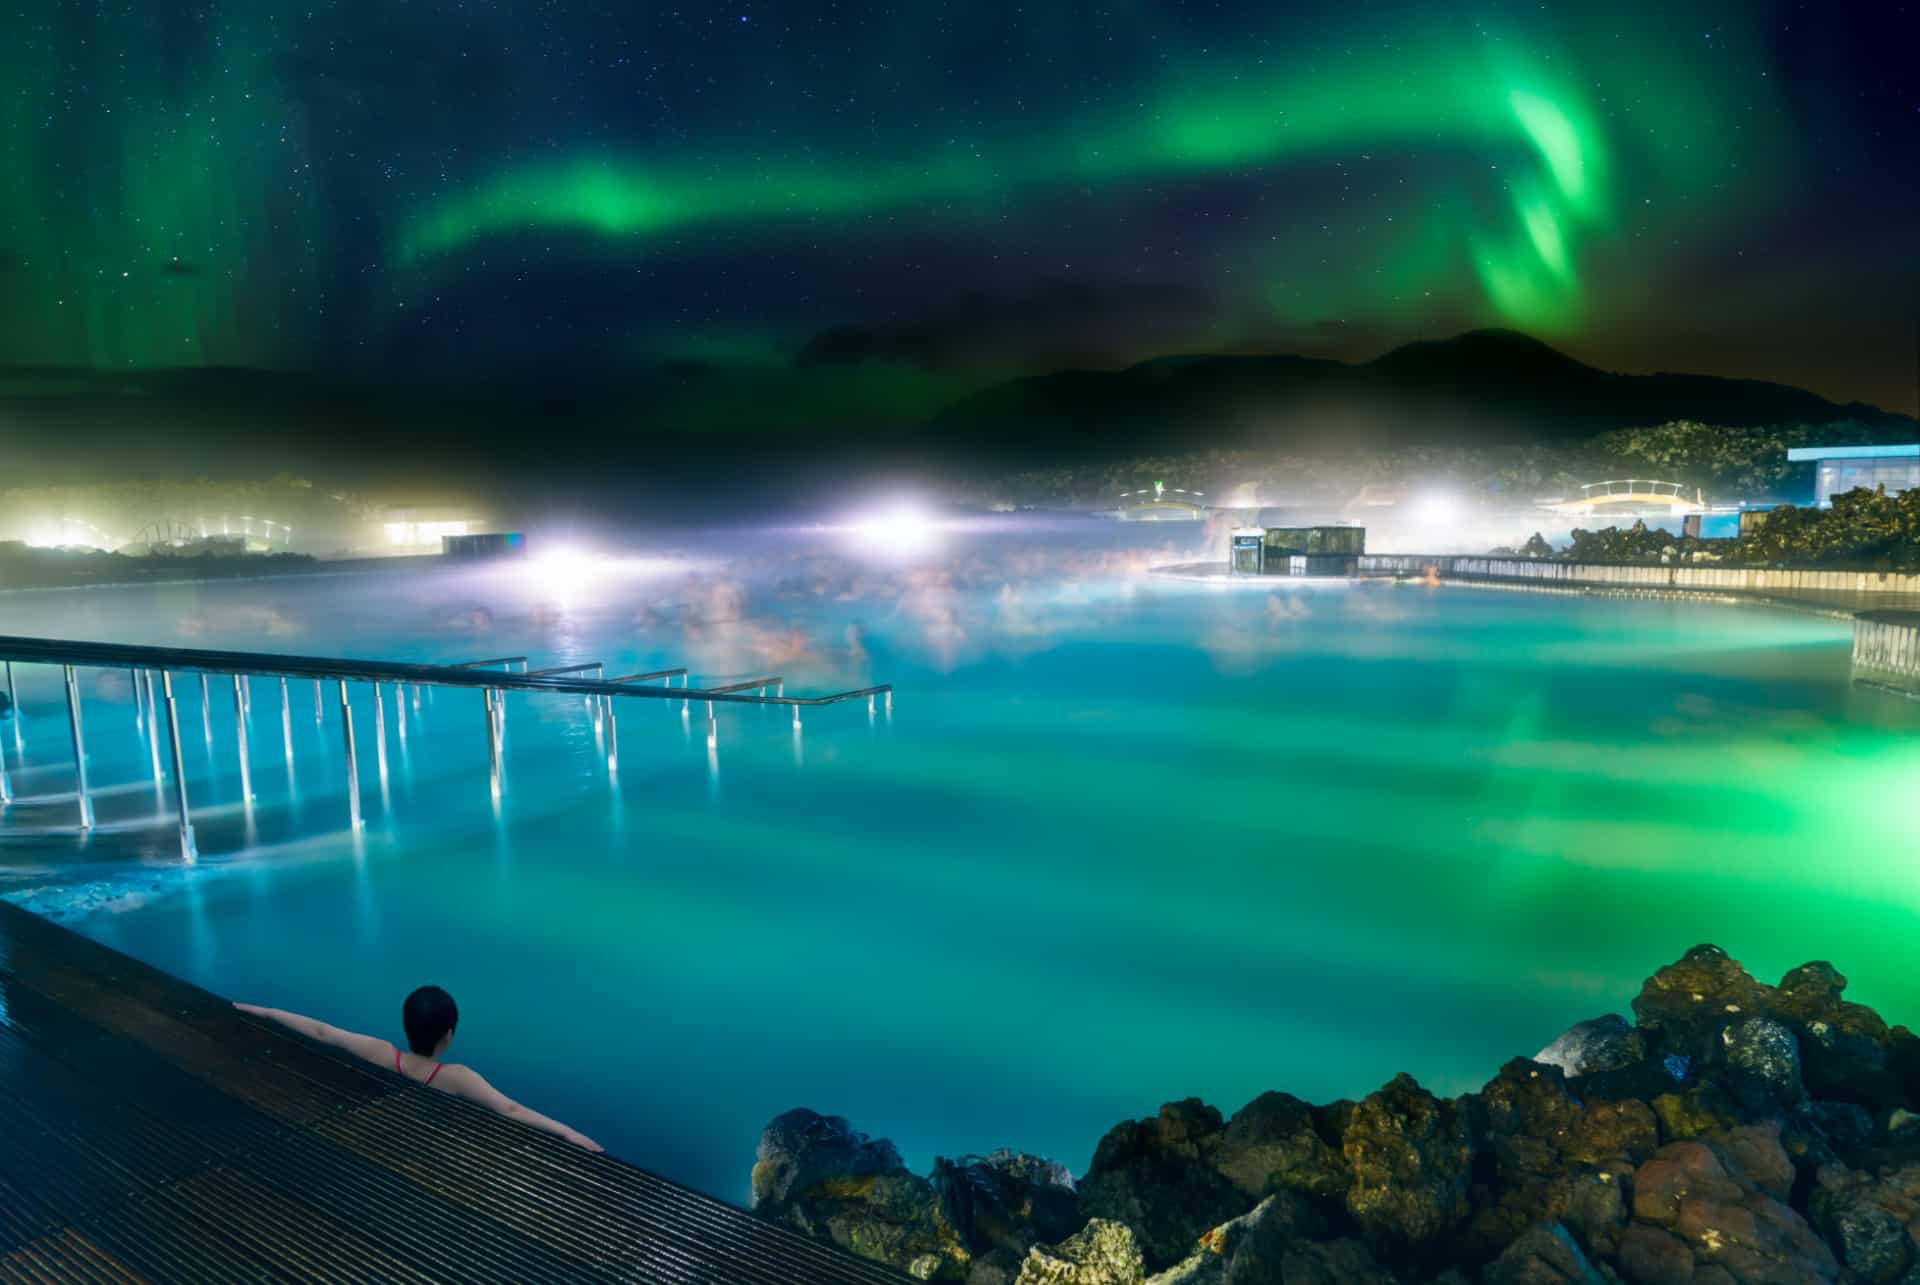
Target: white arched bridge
{"points": [[1633, 495]]}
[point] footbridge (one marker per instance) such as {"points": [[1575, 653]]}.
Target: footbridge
{"points": [[1633, 495]]}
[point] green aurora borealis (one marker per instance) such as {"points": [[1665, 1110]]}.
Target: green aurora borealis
{"points": [[335, 186]]}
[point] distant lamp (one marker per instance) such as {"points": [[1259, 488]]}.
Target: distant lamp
{"points": [[899, 530]]}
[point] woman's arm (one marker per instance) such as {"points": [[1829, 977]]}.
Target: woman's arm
{"points": [[377, 1051], [465, 1082]]}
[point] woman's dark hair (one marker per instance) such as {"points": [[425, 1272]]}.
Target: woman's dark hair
{"points": [[429, 1015]]}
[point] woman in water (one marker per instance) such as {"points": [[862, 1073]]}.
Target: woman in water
{"points": [[429, 1016]]}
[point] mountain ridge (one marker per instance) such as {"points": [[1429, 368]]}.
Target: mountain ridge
{"points": [[1482, 387]]}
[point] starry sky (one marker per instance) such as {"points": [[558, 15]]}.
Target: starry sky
{"points": [[870, 209]]}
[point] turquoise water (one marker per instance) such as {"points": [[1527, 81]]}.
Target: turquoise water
{"points": [[1123, 839]]}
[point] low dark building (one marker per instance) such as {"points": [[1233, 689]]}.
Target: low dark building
{"points": [[485, 544], [1297, 551]]}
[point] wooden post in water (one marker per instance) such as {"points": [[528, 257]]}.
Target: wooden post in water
{"points": [[79, 749], [353, 762], [187, 849]]}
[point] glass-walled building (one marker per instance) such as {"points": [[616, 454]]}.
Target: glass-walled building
{"points": [[1297, 551], [1839, 469]]}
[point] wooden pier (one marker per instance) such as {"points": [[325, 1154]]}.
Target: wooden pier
{"points": [[149, 1131]]}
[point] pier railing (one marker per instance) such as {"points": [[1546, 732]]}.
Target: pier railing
{"points": [[492, 678]]}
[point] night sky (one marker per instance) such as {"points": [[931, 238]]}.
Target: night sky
{"points": [[904, 202]]}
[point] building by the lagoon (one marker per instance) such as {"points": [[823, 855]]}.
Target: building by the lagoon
{"points": [[476, 545], [1297, 551], [1839, 469]]}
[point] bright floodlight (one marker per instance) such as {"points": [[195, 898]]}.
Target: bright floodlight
{"points": [[563, 570], [901, 528], [1436, 512]]}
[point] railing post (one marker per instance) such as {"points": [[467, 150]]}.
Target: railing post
{"points": [[493, 734], [6, 787], [319, 710], [206, 711], [353, 762], [187, 850], [240, 734], [13, 701], [139, 718], [153, 726], [79, 749]]}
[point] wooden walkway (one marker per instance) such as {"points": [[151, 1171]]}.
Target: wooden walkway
{"points": [[151, 1132]]}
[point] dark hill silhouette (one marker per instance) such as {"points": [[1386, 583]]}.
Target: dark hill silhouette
{"points": [[1485, 387]]}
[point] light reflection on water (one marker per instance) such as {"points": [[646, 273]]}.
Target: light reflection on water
{"points": [[1124, 840]]}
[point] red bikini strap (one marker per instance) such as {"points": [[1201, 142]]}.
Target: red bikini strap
{"points": [[434, 1072]]}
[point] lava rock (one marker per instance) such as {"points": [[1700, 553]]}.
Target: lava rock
{"points": [[1101, 1253], [1703, 1111], [821, 1177], [1545, 1254], [1333, 1262], [1689, 1002], [1555, 1159], [800, 1149], [1719, 1215], [1274, 1143], [1250, 1250], [1763, 1064], [1410, 1154], [1158, 1177], [1846, 1125], [1846, 1050], [1873, 1223], [1006, 1200], [1601, 1044]]}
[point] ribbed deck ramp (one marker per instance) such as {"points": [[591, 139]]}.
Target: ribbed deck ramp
{"points": [[151, 1132]]}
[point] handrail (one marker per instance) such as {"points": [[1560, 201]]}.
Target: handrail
{"points": [[657, 673], [497, 660], [751, 682], [56, 651]]}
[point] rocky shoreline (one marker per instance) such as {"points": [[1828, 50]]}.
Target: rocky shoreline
{"points": [[1734, 1133]]}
